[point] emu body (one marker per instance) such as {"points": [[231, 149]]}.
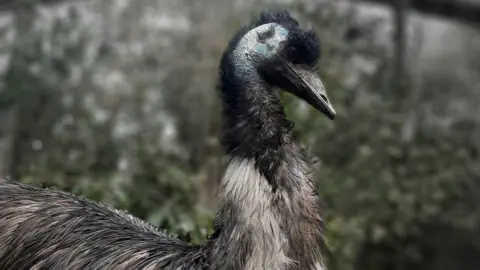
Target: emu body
{"points": [[46, 229], [270, 218]]}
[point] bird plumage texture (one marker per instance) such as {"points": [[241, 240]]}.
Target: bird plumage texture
{"points": [[270, 216], [47, 229]]}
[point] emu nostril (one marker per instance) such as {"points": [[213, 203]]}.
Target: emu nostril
{"points": [[324, 97]]}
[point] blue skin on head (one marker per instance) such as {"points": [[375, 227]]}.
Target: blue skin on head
{"points": [[262, 48], [250, 50], [269, 48], [281, 31]]}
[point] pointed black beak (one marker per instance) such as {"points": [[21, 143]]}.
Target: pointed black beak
{"points": [[308, 86]]}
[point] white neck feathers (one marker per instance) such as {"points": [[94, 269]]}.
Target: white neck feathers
{"points": [[250, 192], [260, 212]]}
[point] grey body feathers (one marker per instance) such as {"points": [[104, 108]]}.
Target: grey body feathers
{"points": [[46, 229]]}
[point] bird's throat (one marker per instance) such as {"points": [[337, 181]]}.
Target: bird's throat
{"points": [[254, 127]]}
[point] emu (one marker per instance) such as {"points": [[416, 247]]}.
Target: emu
{"points": [[270, 218]]}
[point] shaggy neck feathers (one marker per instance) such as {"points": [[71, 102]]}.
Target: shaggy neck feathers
{"points": [[255, 128], [271, 215]]}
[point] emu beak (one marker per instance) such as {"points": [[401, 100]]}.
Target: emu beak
{"points": [[309, 87]]}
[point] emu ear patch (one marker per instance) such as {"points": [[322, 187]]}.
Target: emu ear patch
{"points": [[261, 48]]}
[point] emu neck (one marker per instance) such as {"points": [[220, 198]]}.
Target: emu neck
{"points": [[271, 218], [255, 126]]}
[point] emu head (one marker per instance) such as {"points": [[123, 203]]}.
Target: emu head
{"points": [[274, 50]]}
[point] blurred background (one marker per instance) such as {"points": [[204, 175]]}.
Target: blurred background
{"points": [[115, 100]]}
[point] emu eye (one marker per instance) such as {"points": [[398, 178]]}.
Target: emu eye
{"points": [[293, 55]]}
